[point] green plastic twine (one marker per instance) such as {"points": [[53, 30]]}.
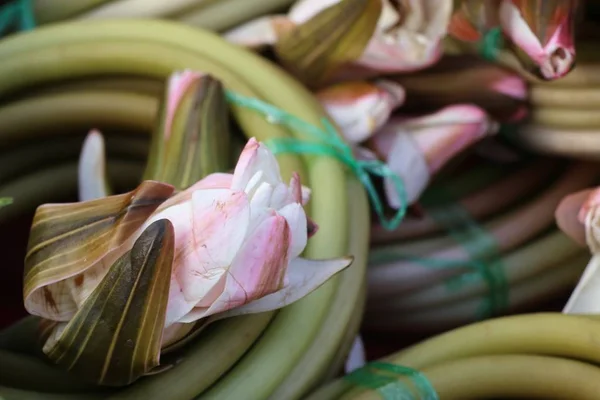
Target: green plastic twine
{"points": [[20, 11], [393, 382], [484, 256], [329, 144], [491, 43]]}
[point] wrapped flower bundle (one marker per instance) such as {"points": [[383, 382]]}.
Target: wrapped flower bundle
{"points": [[227, 256]]}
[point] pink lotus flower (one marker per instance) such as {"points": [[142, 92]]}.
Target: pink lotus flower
{"points": [[361, 108], [546, 38], [416, 148], [407, 37], [237, 245], [238, 240]]}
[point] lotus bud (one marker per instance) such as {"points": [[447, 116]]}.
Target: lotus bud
{"points": [[543, 34], [570, 215], [406, 38], [361, 108], [578, 215], [184, 148], [328, 40], [156, 268], [91, 173], [416, 148]]}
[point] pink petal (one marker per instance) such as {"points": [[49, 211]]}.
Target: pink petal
{"points": [[303, 275], [257, 271], [255, 158], [203, 252], [296, 218], [213, 181], [179, 83]]}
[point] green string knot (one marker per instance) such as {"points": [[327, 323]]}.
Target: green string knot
{"points": [[393, 382], [20, 11], [491, 43], [329, 144]]}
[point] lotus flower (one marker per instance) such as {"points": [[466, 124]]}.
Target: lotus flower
{"points": [[416, 148], [361, 108], [578, 215], [544, 32], [228, 245], [541, 32], [406, 36]]}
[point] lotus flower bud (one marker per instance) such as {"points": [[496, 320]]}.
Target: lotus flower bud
{"points": [[407, 36], [183, 148], [154, 267], [571, 215], [91, 173], [578, 215], [543, 33], [403, 36], [416, 148], [361, 108]]}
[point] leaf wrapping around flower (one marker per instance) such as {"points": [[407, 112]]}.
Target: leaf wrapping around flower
{"points": [[192, 139], [338, 35], [67, 241], [116, 336]]}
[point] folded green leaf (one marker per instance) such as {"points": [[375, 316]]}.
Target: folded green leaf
{"points": [[192, 138], [115, 338], [67, 243], [338, 35]]}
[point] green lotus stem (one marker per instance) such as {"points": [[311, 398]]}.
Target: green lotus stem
{"points": [[530, 376], [40, 376], [101, 109], [56, 10], [150, 48], [26, 156], [128, 84], [223, 15], [509, 231], [324, 344], [533, 259], [518, 334], [20, 337], [52, 184], [9, 393], [486, 197], [523, 294]]}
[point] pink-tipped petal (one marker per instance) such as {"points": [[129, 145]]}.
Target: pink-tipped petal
{"points": [[213, 229], [304, 276], [570, 218], [258, 269], [178, 84], [255, 159], [213, 181], [361, 108], [296, 218], [443, 135]]}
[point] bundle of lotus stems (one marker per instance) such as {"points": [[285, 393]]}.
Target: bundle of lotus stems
{"points": [[298, 347], [486, 244], [532, 356]]}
